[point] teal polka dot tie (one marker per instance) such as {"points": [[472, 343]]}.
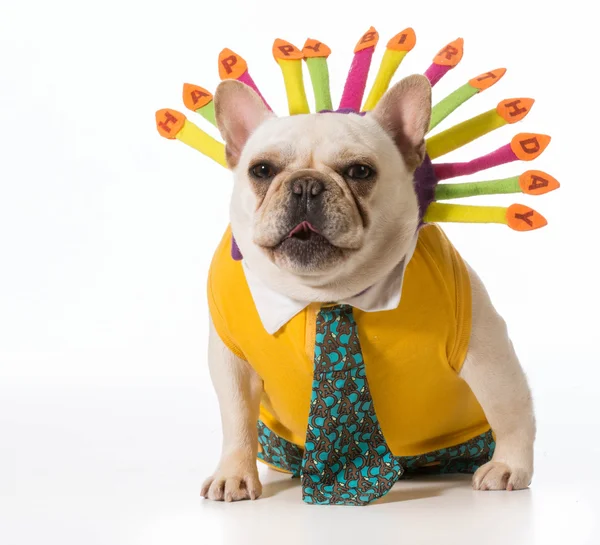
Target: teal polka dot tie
{"points": [[346, 459]]}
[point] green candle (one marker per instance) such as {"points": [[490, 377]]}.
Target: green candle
{"points": [[315, 54], [475, 85]]}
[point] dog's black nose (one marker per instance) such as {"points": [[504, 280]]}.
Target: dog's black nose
{"points": [[307, 188]]}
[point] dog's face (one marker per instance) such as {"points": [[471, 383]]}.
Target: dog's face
{"points": [[324, 202]]}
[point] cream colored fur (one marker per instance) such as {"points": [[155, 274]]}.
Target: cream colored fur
{"points": [[494, 374], [491, 368]]}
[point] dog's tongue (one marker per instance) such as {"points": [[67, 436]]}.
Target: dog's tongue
{"points": [[304, 226]]}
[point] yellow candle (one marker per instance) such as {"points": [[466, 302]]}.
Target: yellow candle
{"points": [[397, 49], [172, 124], [289, 58], [507, 111]]}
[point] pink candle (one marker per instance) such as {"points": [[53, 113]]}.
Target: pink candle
{"points": [[523, 147], [499, 157], [354, 89], [232, 66], [446, 59]]}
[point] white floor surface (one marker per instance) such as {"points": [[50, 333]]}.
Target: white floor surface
{"points": [[123, 465]]}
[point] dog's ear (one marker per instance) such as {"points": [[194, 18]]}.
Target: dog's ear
{"points": [[238, 112], [405, 113]]}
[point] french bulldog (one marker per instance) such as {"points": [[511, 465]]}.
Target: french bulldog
{"points": [[355, 222]]}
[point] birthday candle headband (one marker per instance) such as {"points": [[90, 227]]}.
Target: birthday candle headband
{"points": [[523, 147]]}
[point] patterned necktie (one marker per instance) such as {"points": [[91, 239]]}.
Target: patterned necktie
{"points": [[346, 459]]}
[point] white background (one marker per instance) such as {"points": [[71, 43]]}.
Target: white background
{"points": [[108, 422]]}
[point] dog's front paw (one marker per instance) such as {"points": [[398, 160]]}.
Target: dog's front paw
{"points": [[500, 476], [233, 482]]}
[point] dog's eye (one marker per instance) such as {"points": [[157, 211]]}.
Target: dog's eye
{"points": [[360, 172], [263, 171]]}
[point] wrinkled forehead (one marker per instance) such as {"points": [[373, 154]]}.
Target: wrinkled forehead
{"points": [[321, 137]]}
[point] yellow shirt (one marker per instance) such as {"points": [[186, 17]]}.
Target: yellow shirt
{"points": [[412, 354]]}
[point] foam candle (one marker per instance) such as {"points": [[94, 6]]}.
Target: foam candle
{"points": [[232, 66], [356, 81], [447, 105], [446, 59], [173, 125], [397, 48], [532, 182], [523, 147], [507, 111], [315, 54], [199, 100], [517, 216], [289, 58]]}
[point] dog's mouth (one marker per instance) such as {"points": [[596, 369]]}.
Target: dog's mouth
{"points": [[304, 237], [305, 248], [303, 232]]}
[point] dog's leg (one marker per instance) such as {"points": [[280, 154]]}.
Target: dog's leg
{"points": [[494, 374], [239, 389]]}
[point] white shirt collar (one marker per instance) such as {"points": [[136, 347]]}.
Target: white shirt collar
{"points": [[276, 309]]}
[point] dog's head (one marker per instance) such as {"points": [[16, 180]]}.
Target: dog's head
{"points": [[323, 205]]}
